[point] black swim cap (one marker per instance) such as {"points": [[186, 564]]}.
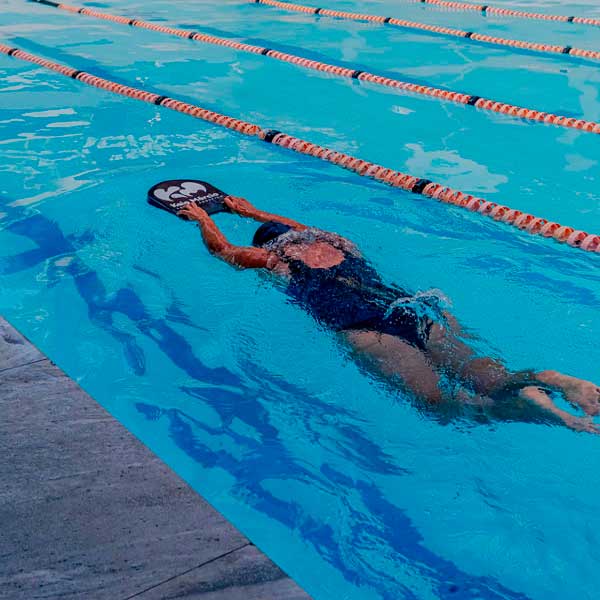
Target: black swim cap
{"points": [[269, 231]]}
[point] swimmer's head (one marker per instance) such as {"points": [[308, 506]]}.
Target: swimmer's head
{"points": [[267, 232]]}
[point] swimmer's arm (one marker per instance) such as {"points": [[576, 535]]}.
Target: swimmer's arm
{"points": [[243, 208], [219, 245]]}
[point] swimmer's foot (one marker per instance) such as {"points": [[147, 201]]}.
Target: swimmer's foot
{"points": [[541, 398], [578, 392]]}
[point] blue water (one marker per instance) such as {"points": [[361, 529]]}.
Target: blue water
{"points": [[348, 486]]}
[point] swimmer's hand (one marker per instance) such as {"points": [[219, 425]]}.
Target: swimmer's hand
{"points": [[193, 212], [240, 206]]}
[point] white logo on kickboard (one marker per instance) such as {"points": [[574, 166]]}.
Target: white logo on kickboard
{"points": [[186, 191]]}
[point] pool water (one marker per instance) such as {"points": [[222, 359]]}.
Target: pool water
{"points": [[349, 486]]}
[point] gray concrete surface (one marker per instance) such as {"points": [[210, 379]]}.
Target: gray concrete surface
{"points": [[87, 511]]}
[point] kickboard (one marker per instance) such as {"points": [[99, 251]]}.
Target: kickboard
{"points": [[175, 194]]}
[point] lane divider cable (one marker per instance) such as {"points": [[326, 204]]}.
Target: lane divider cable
{"points": [[495, 106], [448, 31], [417, 185], [486, 9]]}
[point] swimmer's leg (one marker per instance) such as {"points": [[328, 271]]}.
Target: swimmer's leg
{"points": [[579, 392], [542, 399], [488, 376], [485, 375], [392, 357]]}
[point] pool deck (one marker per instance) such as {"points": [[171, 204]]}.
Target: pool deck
{"points": [[87, 511]]}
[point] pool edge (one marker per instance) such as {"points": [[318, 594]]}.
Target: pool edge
{"points": [[92, 510]]}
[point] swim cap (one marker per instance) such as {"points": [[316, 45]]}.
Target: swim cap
{"points": [[269, 231]]}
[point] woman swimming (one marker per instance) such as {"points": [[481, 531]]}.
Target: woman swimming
{"points": [[407, 339]]}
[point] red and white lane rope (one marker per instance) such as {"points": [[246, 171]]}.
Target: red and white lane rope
{"points": [[460, 33], [417, 185], [486, 9], [300, 61]]}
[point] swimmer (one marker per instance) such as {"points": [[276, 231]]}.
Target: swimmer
{"points": [[408, 340]]}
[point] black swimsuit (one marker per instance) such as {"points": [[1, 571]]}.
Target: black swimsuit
{"points": [[352, 296]]}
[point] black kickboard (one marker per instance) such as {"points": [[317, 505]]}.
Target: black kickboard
{"points": [[176, 194]]}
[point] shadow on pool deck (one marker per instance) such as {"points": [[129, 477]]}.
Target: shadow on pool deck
{"points": [[87, 511]]}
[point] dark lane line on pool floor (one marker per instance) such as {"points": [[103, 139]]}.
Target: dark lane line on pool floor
{"points": [[420, 186], [394, 528], [348, 72]]}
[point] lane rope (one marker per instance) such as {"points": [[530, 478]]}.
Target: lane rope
{"points": [[486, 9], [409, 183], [448, 31], [495, 106]]}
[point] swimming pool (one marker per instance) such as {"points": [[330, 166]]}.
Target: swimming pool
{"points": [[349, 487]]}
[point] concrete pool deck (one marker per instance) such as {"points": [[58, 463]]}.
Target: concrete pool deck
{"points": [[87, 511]]}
